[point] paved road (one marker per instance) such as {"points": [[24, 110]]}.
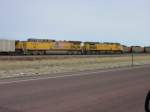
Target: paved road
{"points": [[113, 91]]}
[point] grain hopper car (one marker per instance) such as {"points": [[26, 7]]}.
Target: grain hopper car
{"points": [[127, 49], [137, 49], [147, 49]]}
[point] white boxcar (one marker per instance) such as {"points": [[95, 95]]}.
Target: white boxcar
{"points": [[7, 45]]}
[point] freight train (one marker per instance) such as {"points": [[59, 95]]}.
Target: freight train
{"points": [[47, 46]]}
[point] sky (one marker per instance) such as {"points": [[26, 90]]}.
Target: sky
{"points": [[123, 21]]}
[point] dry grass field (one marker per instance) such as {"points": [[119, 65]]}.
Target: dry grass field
{"points": [[14, 68]]}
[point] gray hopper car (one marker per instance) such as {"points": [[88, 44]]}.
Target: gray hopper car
{"points": [[126, 49], [7, 46], [137, 49], [147, 49]]}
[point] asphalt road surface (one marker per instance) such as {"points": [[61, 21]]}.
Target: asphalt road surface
{"points": [[120, 90]]}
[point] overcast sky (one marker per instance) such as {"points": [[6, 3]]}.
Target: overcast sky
{"points": [[124, 21]]}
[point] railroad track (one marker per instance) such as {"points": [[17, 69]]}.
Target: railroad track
{"points": [[40, 57]]}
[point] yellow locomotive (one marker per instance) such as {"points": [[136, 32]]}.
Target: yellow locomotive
{"points": [[102, 48], [34, 46], [45, 46]]}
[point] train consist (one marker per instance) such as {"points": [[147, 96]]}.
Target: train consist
{"points": [[47, 46]]}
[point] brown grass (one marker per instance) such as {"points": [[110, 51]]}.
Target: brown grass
{"points": [[52, 66]]}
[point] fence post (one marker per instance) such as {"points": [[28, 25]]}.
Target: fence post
{"points": [[132, 60]]}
